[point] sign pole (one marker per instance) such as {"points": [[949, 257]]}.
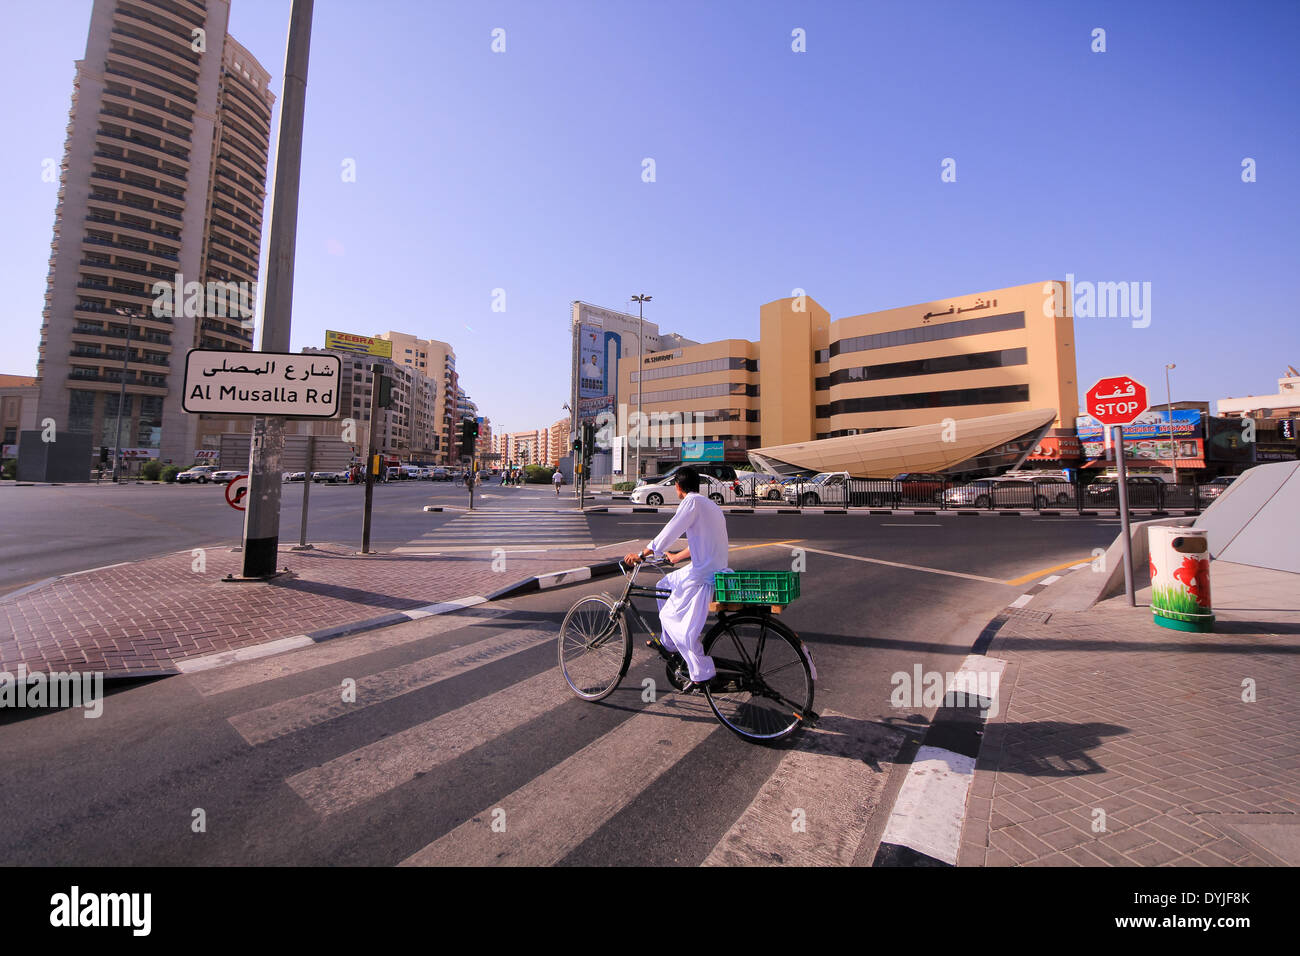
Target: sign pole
{"points": [[1123, 517], [306, 491], [262, 519], [372, 453]]}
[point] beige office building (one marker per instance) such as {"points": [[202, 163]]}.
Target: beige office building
{"points": [[809, 377], [437, 362], [163, 173]]}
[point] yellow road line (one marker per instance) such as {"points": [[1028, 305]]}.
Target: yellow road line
{"points": [[1046, 571], [769, 544]]}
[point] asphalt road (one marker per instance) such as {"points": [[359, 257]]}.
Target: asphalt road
{"points": [[59, 529], [464, 746]]}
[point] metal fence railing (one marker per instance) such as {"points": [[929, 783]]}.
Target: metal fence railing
{"points": [[978, 495]]}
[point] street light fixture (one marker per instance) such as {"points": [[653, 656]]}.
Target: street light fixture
{"points": [[640, 301], [1169, 410]]}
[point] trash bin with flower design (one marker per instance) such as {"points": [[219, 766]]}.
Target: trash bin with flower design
{"points": [[1180, 578]]}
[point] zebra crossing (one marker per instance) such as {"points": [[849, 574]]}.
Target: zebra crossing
{"points": [[813, 808], [479, 530]]}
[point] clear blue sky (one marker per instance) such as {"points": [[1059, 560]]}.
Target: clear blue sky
{"points": [[775, 170]]}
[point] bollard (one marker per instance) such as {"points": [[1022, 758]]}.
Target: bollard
{"points": [[1180, 578]]}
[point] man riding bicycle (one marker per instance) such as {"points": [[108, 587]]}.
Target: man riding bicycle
{"points": [[684, 613]]}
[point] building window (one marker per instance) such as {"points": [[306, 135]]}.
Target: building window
{"points": [[999, 395], [937, 365], [930, 333], [696, 368], [81, 410]]}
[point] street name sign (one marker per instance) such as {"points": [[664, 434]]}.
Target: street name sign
{"points": [[1117, 400], [294, 385]]}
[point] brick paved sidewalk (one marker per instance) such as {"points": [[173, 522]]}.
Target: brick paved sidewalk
{"points": [[143, 617], [1103, 710]]}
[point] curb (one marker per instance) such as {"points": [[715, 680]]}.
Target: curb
{"points": [[193, 665], [925, 825], [541, 582]]}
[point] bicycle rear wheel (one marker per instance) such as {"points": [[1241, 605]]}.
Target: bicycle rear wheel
{"points": [[764, 687], [595, 647]]}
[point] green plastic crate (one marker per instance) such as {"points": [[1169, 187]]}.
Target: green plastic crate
{"points": [[755, 587]]}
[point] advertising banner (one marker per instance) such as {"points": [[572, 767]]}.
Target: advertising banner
{"points": [[589, 408], [347, 342], [1150, 424], [1190, 451], [591, 362]]}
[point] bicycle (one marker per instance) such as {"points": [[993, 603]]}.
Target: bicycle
{"points": [[763, 689]]}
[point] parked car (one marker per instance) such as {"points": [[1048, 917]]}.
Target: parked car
{"points": [[828, 486], [200, 474], [296, 476], [665, 492], [921, 486], [221, 477], [1144, 491], [770, 487], [1207, 492], [977, 493], [716, 469], [440, 474]]}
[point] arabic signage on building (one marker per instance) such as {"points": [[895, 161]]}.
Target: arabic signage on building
{"points": [[1150, 424], [1056, 449], [347, 342], [703, 451], [261, 383]]}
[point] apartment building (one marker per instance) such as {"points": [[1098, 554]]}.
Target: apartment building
{"points": [[558, 441], [158, 226], [437, 362]]}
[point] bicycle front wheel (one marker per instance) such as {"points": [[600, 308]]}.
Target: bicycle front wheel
{"points": [[764, 686], [595, 647]]}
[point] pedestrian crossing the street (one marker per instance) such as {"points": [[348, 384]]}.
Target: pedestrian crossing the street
{"points": [[512, 530], [811, 806]]}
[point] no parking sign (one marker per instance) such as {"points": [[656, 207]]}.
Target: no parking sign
{"points": [[236, 492]]}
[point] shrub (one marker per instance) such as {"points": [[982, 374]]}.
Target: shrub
{"points": [[9, 472], [624, 485], [170, 472], [151, 469], [538, 474]]}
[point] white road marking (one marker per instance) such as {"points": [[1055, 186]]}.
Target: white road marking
{"points": [[827, 784], [553, 813], [289, 716], [931, 806], [363, 774], [908, 567], [1050, 579], [1022, 600]]}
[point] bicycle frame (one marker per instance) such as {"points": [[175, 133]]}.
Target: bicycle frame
{"points": [[633, 589]]}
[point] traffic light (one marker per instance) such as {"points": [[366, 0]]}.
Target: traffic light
{"points": [[588, 442], [103, 454], [468, 437]]}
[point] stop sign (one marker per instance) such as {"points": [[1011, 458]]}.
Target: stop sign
{"points": [[1117, 400]]}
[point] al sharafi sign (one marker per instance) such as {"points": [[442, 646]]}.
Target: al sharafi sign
{"points": [[261, 383]]}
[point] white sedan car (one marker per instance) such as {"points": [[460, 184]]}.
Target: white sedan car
{"points": [[665, 492]]}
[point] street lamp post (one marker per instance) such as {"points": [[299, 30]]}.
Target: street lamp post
{"points": [[121, 397], [1169, 410], [640, 300]]}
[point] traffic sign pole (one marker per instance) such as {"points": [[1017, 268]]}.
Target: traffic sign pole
{"points": [[262, 519], [1123, 517], [371, 452]]}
